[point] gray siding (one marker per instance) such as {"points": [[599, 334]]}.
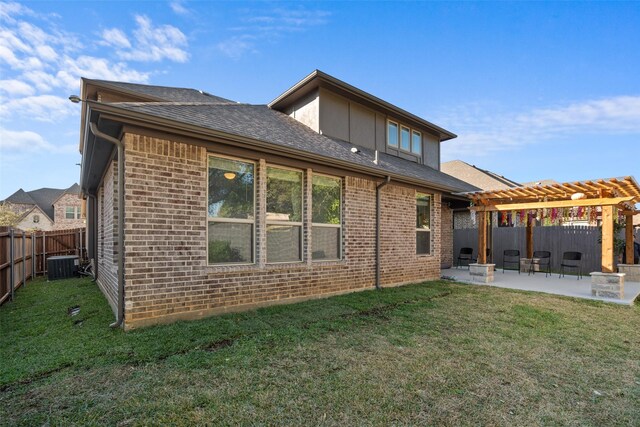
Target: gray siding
{"points": [[306, 111], [362, 126], [334, 115], [431, 150]]}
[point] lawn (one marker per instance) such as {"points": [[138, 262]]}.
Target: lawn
{"points": [[433, 353]]}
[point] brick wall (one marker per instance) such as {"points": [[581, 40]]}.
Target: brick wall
{"points": [[107, 235], [446, 233], [60, 222], [167, 276]]}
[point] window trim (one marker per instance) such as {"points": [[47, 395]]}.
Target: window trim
{"points": [[400, 138], [75, 214], [397, 146], [267, 222], [424, 230], [322, 224], [419, 134], [233, 220]]}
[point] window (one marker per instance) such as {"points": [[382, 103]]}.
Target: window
{"points": [[72, 212], [326, 218], [230, 211], [284, 215], [392, 134], [423, 224], [36, 219], [405, 143], [416, 142], [406, 139]]}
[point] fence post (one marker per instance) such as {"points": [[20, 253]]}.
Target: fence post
{"points": [[33, 256], [24, 259], [11, 268], [44, 253]]}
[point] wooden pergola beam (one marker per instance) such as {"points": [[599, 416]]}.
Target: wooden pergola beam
{"points": [[605, 201], [607, 239], [628, 234]]}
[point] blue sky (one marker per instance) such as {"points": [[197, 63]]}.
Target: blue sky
{"points": [[534, 90]]}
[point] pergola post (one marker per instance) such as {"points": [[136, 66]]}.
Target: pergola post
{"points": [[529, 236], [482, 237], [607, 239], [628, 235]]}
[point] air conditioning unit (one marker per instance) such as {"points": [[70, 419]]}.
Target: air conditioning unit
{"points": [[62, 267]]}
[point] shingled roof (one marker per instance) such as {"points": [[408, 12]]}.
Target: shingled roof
{"points": [[165, 93], [259, 122], [44, 198], [481, 178]]}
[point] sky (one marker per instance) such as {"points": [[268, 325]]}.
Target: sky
{"points": [[534, 90]]}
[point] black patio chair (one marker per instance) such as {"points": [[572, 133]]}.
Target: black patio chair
{"points": [[512, 257], [571, 260], [466, 254], [543, 260]]}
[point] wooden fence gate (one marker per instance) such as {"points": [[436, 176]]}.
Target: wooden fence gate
{"points": [[24, 255], [555, 239]]}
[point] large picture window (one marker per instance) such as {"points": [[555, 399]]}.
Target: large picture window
{"points": [[326, 218], [423, 224], [230, 211], [284, 215]]}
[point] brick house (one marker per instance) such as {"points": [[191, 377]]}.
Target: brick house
{"points": [[48, 209], [228, 206]]}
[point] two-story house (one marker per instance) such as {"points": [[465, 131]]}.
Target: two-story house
{"points": [[48, 209], [200, 205]]}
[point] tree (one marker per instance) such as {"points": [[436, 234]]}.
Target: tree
{"points": [[8, 215]]}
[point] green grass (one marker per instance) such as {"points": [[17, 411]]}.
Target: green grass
{"points": [[434, 353]]}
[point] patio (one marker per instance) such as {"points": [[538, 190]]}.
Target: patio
{"points": [[567, 286]]}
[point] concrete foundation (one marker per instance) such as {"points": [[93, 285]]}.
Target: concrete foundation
{"points": [[632, 272], [607, 285], [482, 273]]}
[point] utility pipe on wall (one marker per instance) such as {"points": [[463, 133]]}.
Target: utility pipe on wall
{"points": [[378, 210], [94, 129]]}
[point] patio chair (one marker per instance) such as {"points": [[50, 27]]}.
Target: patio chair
{"points": [[512, 257], [466, 254], [571, 260], [543, 260]]}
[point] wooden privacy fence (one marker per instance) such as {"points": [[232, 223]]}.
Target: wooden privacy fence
{"points": [[23, 255], [555, 239]]}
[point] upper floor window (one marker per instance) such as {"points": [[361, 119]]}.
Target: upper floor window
{"points": [[230, 211], [284, 215], [392, 134], [403, 137], [423, 224], [416, 142], [326, 218], [72, 212]]}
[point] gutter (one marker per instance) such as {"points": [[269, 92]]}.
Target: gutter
{"points": [[378, 210], [94, 129], [95, 234]]}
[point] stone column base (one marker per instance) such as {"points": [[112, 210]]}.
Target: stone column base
{"points": [[482, 273], [632, 272], [607, 285]]}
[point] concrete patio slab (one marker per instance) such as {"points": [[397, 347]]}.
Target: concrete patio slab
{"points": [[567, 286]]}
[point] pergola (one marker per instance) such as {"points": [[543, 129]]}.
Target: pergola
{"points": [[611, 194]]}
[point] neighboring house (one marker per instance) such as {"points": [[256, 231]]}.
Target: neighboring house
{"points": [[48, 208], [231, 206], [480, 178]]}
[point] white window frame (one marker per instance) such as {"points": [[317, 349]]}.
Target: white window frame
{"points": [[425, 230], [321, 224], [397, 146], [285, 223], [233, 220], [400, 138], [419, 135], [75, 214]]}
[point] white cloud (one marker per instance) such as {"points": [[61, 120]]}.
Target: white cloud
{"points": [[483, 134], [97, 68], [269, 25], [18, 142], [237, 46], [179, 8], [115, 37], [149, 43], [45, 108], [10, 9], [16, 87]]}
